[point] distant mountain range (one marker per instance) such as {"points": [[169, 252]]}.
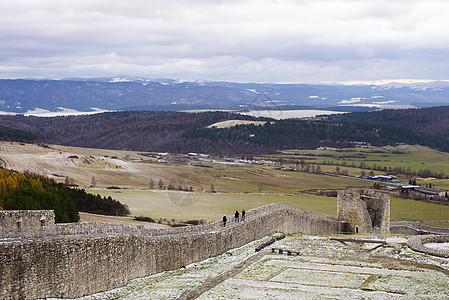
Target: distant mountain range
{"points": [[126, 93]]}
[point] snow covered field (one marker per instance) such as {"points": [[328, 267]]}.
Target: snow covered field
{"points": [[39, 112], [325, 269], [287, 114], [438, 246]]}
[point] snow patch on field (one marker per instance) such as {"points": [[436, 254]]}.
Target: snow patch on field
{"points": [[288, 114], [438, 246], [39, 112], [231, 123]]}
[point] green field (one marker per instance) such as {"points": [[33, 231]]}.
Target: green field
{"points": [[257, 179], [412, 158], [438, 184], [438, 225], [183, 206]]}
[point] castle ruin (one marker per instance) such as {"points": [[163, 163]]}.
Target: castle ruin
{"points": [[74, 260], [366, 211], [19, 219], [42, 259]]}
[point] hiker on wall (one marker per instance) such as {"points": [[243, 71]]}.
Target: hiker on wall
{"points": [[236, 215], [224, 220]]}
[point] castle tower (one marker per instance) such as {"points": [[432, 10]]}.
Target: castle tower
{"points": [[367, 211]]}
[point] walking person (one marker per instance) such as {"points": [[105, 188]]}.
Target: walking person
{"points": [[243, 215], [236, 215], [224, 220]]}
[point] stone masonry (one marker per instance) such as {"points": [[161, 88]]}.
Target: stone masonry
{"points": [[18, 219], [367, 211], [70, 266]]}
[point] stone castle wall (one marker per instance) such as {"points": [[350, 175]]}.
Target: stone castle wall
{"points": [[71, 266], [26, 219], [413, 228], [417, 243]]}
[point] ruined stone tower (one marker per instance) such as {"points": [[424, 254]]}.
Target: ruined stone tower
{"points": [[367, 211]]}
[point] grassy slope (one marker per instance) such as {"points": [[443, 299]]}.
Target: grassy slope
{"points": [[254, 179], [415, 157], [136, 171], [212, 206]]}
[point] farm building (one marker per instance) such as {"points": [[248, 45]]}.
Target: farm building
{"points": [[423, 190], [385, 178]]}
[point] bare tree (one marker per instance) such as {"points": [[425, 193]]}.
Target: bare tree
{"points": [[93, 182]]}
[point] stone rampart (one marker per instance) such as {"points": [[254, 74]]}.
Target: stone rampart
{"points": [[70, 265], [21, 219], [417, 243], [411, 228]]}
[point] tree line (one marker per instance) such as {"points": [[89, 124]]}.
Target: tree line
{"points": [[297, 134], [179, 132], [431, 120], [16, 135], [27, 191]]}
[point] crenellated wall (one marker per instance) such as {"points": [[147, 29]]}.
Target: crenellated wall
{"points": [[71, 266]]}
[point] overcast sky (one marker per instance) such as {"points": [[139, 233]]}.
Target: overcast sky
{"points": [[309, 41]]}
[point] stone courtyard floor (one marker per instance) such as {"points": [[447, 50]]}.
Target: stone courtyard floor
{"points": [[325, 269]]}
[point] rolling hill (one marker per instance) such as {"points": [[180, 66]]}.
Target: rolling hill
{"points": [[187, 132], [431, 121]]}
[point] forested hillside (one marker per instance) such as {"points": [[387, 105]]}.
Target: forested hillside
{"points": [[16, 135], [186, 132], [296, 134], [31, 191], [136, 130], [432, 121]]}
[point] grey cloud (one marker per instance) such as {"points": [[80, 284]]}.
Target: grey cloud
{"points": [[294, 41]]}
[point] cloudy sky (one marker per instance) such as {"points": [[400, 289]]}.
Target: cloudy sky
{"points": [[309, 41]]}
